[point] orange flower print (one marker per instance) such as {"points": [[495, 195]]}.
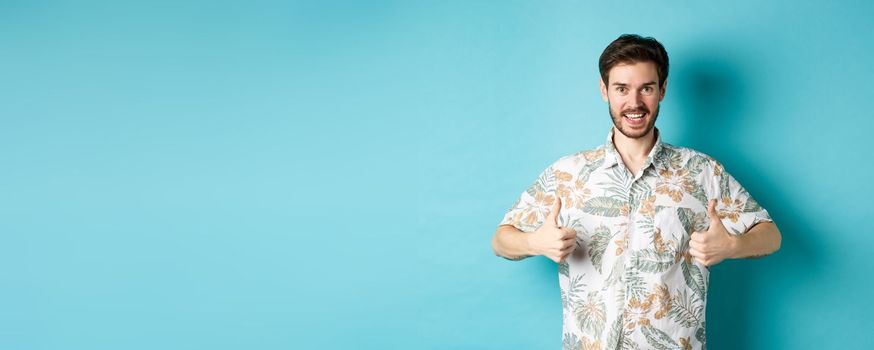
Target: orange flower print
{"points": [[591, 344], [674, 184], [543, 203], [572, 194], [657, 241], [684, 341], [730, 209], [594, 155], [664, 298], [718, 169], [562, 176], [637, 312], [647, 207], [581, 193], [564, 192], [622, 243]]}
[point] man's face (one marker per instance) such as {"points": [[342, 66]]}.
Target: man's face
{"points": [[633, 97]]}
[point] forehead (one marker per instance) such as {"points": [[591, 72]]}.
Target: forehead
{"points": [[637, 73]]}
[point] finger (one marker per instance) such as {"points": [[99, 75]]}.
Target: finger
{"points": [[569, 233], [695, 253], [696, 237], [711, 211], [552, 218]]}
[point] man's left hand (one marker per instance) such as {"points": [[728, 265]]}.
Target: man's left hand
{"points": [[714, 245]]}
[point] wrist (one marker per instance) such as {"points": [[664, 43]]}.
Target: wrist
{"points": [[527, 245], [735, 248]]}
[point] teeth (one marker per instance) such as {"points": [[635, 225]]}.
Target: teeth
{"points": [[634, 116]]}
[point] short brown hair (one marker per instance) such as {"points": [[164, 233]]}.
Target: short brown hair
{"points": [[633, 48]]}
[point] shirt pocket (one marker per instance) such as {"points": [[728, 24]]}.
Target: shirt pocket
{"points": [[679, 220], [675, 222]]}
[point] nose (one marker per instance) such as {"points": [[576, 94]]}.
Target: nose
{"points": [[634, 99]]}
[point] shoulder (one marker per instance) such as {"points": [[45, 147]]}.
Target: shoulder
{"points": [[691, 159], [578, 160]]}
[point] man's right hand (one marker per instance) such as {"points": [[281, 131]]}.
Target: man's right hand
{"points": [[551, 240]]}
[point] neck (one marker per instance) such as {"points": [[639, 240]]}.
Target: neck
{"points": [[634, 150]]}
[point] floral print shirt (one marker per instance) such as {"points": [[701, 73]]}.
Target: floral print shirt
{"points": [[630, 282]]}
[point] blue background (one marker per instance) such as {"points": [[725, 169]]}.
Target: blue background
{"points": [[326, 175]]}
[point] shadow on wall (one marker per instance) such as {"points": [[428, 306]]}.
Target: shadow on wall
{"points": [[717, 99]]}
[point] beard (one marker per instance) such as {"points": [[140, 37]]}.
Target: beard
{"points": [[634, 134]]}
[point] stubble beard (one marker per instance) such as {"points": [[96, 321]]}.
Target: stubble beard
{"points": [[617, 122]]}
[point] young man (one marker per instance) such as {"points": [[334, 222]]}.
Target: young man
{"points": [[635, 224]]}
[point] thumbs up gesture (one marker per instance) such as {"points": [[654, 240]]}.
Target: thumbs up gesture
{"points": [[551, 240], [714, 245]]}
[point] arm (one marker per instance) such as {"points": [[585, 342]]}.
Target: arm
{"points": [[549, 240], [716, 244], [511, 243], [760, 240]]}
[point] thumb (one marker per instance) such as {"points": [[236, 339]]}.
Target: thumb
{"points": [[552, 218], [711, 212]]}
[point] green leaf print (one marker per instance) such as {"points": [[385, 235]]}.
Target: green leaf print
{"points": [[658, 339], [751, 205], [687, 309], [696, 164], [687, 219], [694, 278], [639, 190], [672, 156], [603, 206], [589, 168], [701, 334], [724, 189], [591, 314], [691, 220], [698, 193], [636, 285], [619, 184], [615, 335], [570, 342], [650, 260], [544, 183], [598, 245], [576, 285]]}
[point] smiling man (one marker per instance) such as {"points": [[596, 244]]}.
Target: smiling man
{"points": [[635, 224]]}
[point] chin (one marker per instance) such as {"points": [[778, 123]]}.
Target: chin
{"points": [[636, 133]]}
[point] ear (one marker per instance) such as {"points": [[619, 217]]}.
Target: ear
{"points": [[662, 92], [604, 89]]}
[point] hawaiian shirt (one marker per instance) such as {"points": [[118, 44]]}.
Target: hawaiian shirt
{"points": [[630, 282]]}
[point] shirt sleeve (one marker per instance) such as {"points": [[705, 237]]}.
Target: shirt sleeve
{"points": [[736, 207], [530, 210]]}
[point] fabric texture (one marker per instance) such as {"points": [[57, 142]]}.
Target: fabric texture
{"points": [[630, 282]]}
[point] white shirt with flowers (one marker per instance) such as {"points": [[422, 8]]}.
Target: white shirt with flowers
{"points": [[631, 283]]}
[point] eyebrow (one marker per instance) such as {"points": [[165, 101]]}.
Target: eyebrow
{"points": [[624, 85]]}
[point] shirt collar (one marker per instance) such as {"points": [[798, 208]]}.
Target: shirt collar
{"points": [[611, 155]]}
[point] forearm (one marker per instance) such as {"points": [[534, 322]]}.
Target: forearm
{"points": [[511, 243], [762, 239]]}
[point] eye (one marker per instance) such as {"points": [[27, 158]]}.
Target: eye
{"points": [[648, 90], [621, 89]]}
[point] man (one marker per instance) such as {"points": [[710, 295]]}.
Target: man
{"points": [[635, 224]]}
